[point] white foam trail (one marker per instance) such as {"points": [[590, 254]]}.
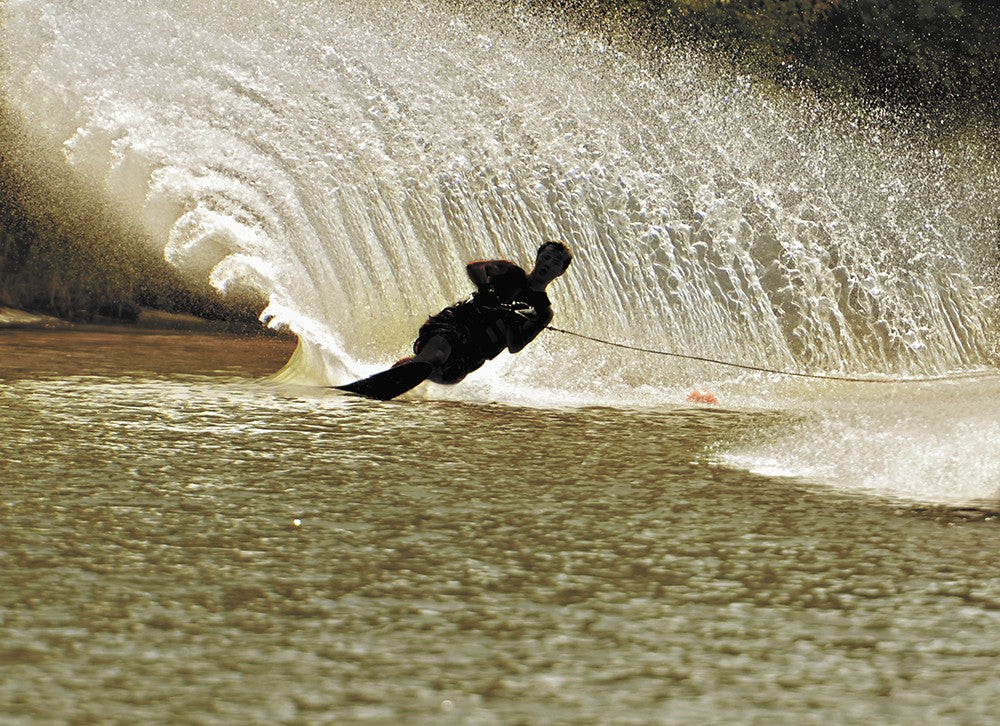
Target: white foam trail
{"points": [[927, 442]]}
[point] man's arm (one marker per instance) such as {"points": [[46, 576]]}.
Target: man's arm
{"points": [[520, 334], [481, 271]]}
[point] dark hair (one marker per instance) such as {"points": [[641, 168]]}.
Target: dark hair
{"points": [[562, 246]]}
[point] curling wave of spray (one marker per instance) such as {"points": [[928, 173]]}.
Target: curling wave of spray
{"points": [[346, 163]]}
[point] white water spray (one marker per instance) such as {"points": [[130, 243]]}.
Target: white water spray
{"points": [[346, 159]]}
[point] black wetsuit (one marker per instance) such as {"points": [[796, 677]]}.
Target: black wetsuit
{"points": [[476, 328]]}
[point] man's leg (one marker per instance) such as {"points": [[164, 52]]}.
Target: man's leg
{"points": [[435, 351]]}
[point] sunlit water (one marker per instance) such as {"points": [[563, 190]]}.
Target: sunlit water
{"points": [[185, 542], [187, 538]]}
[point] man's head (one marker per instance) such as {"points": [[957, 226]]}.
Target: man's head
{"points": [[552, 260]]}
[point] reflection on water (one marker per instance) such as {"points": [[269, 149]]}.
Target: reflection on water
{"points": [[182, 545]]}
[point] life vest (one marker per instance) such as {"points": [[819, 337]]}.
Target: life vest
{"points": [[504, 299], [477, 326]]}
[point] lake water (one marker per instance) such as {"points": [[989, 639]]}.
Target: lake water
{"points": [[186, 537], [186, 541]]}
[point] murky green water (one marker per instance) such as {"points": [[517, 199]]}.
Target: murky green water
{"points": [[183, 543]]}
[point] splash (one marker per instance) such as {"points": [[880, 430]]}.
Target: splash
{"points": [[933, 441], [348, 161]]}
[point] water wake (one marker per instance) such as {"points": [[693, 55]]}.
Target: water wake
{"points": [[928, 442]]}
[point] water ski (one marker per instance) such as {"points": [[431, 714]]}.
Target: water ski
{"points": [[391, 383]]}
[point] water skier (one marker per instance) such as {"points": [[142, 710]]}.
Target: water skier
{"points": [[506, 312]]}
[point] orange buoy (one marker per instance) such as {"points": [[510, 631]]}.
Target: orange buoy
{"points": [[706, 397]]}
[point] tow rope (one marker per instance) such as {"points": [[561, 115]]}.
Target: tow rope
{"points": [[760, 369]]}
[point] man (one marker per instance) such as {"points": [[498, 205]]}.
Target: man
{"points": [[507, 311]]}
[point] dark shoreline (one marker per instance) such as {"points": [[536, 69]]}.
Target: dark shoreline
{"points": [[147, 319], [159, 346]]}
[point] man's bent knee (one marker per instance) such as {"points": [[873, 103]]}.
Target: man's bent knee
{"points": [[435, 351]]}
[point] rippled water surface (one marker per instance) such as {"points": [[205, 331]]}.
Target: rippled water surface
{"points": [[183, 542]]}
